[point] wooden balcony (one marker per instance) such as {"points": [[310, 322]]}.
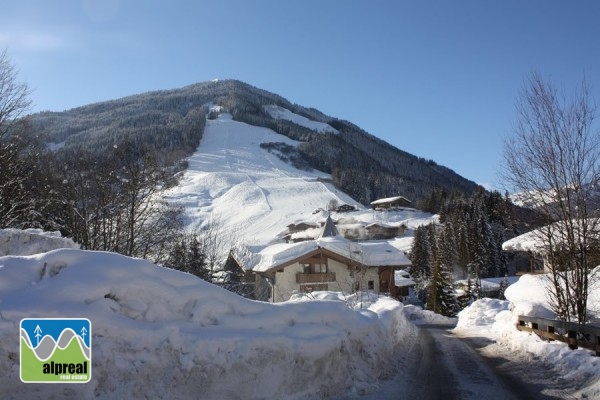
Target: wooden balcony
{"points": [[315, 278]]}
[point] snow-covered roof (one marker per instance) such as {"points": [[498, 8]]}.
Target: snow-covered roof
{"points": [[370, 254], [401, 279], [389, 200], [403, 244], [530, 241], [536, 240], [381, 225]]}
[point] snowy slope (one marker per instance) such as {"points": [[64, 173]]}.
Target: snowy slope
{"points": [[250, 193], [283, 113]]}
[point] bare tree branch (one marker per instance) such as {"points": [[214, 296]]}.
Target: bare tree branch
{"points": [[14, 96], [552, 159]]}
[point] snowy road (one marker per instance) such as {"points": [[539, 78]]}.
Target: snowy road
{"points": [[441, 365]]}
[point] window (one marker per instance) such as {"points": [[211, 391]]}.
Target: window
{"points": [[314, 268], [371, 285], [319, 268]]}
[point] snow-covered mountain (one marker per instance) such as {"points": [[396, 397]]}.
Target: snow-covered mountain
{"points": [[172, 122]]}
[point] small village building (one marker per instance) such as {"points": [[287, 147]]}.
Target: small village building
{"points": [[330, 262], [527, 246], [301, 232], [302, 226], [404, 287], [534, 244], [384, 231], [392, 203], [345, 208]]}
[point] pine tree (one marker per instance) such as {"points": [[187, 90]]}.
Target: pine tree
{"points": [[442, 298], [178, 257], [434, 301], [463, 246], [502, 287], [468, 297], [420, 256], [196, 259], [447, 245], [449, 301]]}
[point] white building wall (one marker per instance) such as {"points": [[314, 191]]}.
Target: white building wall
{"points": [[285, 281]]}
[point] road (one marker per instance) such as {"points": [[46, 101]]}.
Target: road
{"points": [[441, 365]]}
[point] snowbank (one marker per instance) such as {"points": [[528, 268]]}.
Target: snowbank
{"points": [[418, 316], [482, 312], [166, 334], [31, 241], [497, 320]]}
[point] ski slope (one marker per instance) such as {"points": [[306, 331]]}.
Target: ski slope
{"points": [[248, 192]]}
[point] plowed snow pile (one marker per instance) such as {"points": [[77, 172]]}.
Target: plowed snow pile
{"points": [[160, 333]]}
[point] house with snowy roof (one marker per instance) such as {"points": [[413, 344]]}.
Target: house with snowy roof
{"points": [[379, 230], [535, 243], [392, 203], [329, 262], [529, 244]]}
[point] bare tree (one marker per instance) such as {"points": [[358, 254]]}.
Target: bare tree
{"points": [[14, 96], [18, 154], [358, 272], [553, 160]]}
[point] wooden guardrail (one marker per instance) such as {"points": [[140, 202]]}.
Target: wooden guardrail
{"points": [[575, 335]]}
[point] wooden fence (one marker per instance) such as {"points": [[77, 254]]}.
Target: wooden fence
{"points": [[575, 335]]}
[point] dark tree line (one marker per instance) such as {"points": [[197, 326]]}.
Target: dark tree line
{"points": [[467, 244], [111, 202]]}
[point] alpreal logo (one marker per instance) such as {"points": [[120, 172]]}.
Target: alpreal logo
{"points": [[56, 350]]}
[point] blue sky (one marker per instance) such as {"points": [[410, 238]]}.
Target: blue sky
{"points": [[435, 78]]}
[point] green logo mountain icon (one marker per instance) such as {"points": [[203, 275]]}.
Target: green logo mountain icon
{"points": [[56, 350]]}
